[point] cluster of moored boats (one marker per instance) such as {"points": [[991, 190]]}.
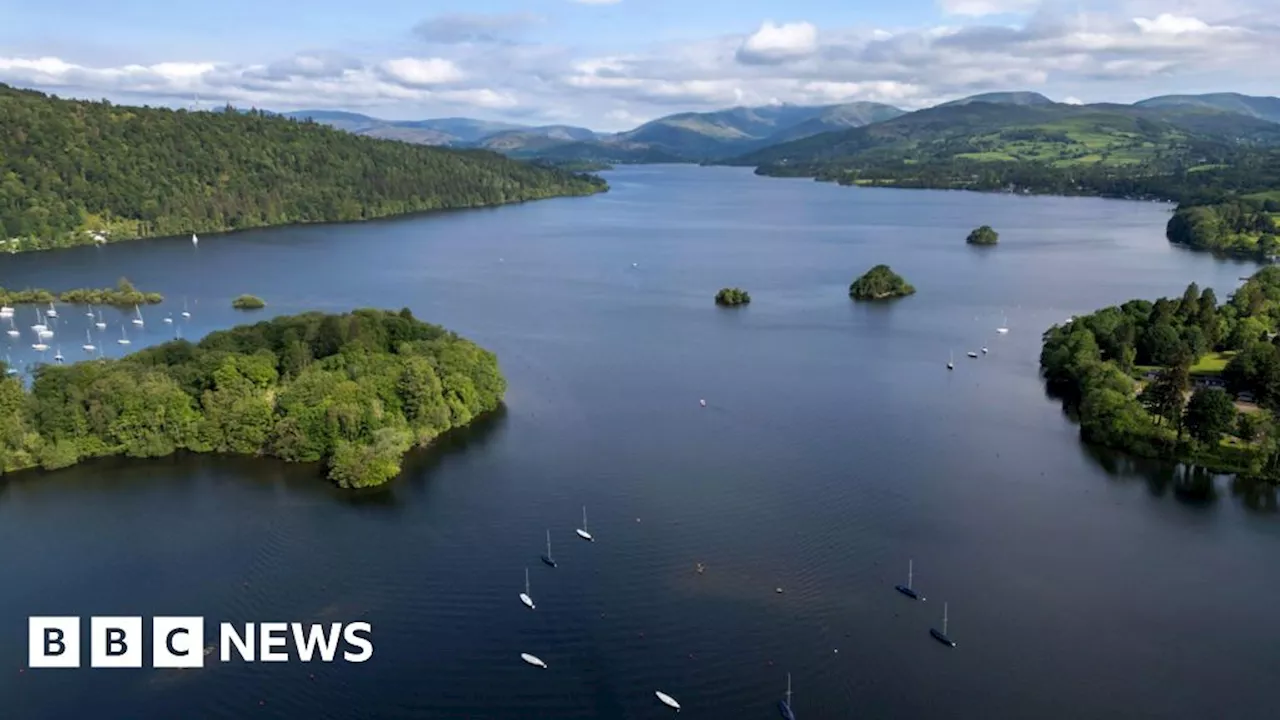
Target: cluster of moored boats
{"points": [[46, 320], [938, 634], [1003, 330]]}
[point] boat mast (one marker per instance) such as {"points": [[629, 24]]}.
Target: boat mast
{"points": [[526, 581], [910, 569], [944, 618], [584, 517], [548, 543], [788, 689]]}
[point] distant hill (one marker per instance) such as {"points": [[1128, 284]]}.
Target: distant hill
{"points": [[1263, 108], [456, 132], [77, 169], [1003, 98]]}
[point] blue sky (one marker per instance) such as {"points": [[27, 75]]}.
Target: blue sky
{"points": [[610, 65]]}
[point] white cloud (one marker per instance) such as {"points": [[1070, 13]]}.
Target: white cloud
{"points": [[1072, 100], [597, 2], [774, 43], [421, 72], [980, 8]]}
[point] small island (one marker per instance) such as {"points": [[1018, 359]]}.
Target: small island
{"points": [[353, 391], [732, 297], [124, 294], [880, 283], [1182, 379], [248, 302], [983, 236]]}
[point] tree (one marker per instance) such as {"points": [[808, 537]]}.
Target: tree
{"points": [[983, 236], [1252, 426], [879, 283], [1164, 396], [1210, 413]]}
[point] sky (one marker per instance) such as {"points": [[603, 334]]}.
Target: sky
{"points": [[612, 64]]}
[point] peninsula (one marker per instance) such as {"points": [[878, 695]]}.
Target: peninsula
{"points": [[92, 172], [1182, 379], [353, 391], [880, 283]]}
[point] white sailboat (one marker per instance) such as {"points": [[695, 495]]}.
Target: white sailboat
{"points": [[533, 660], [124, 338], [137, 320], [89, 313], [951, 361], [667, 700], [169, 320], [9, 369], [37, 345], [101, 324], [6, 311], [194, 240], [582, 531], [784, 706], [984, 350], [547, 558], [58, 356], [524, 596], [185, 313], [88, 343], [1004, 325], [39, 323], [53, 311], [13, 330]]}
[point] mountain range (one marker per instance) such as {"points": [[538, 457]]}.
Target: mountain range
{"points": [[785, 133]]}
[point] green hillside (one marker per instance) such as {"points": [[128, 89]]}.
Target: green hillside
{"points": [[71, 171], [1263, 108]]}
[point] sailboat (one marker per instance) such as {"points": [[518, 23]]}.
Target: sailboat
{"points": [[984, 350], [6, 311], [169, 320], [138, 313], [973, 354], [941, 635], [88, 343], [533, 660], [547, 557], [524, 596], [89, 313], [39, 344], [101, 324], [907, 589], [9, 369], [667, 700], [124, 338], [1004, 325], [185, 313], [784, 706], [13, 330], [53, 311], [58, 356], [39, 326], [951, 361], [582, 531], [194, 240]]}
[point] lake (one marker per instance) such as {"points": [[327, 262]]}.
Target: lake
{"points": [[834, 448]]}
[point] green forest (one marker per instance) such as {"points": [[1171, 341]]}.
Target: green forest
{"points": [[124, 294], [75, 173], [1161, 379], [880, 283], [352, 391], [1247, 225], [732, 297]]}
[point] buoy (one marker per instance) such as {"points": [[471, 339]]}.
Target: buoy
{"points": [[778, 590]]}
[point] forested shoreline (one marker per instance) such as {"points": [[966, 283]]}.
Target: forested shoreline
{"points": [[1184, 379], [352, 391], [124, 294], [75, 172]]}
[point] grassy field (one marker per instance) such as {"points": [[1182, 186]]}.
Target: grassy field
{"points": [[1212, 364]]}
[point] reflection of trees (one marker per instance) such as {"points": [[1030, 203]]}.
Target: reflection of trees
{"points": [[1256, 495]]}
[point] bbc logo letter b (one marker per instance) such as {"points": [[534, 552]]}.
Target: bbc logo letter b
{"points": [[53, 642], [115, 642]]}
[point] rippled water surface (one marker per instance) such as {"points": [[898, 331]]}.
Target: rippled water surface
{"points": [[834, 447]]}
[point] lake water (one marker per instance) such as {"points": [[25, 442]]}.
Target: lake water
{"points": [[834, 447]]}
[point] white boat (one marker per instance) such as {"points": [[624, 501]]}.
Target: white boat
{"points": [[703, 403], [40, 346], [9, 369], [13, 330], [124, 339], [951, 362], [169, 320], [46, 334], [533, 660], [101, 324], [1004, 326], [984, 351], [89, 313], [667, 700], [58, 356], [194, 240], [582, 531], [185, 314], [973, 354], [137, 320], [524, 596], [53, 311], [5, 311], [39, 323], [88, 343]]}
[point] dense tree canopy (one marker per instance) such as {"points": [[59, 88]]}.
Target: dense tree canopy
{"points": [[248, 302], [124, 294], [732, 296], [354, 391], [983, 236], [880, 283], [74, 172], [1129, 369], [1245, 225]]}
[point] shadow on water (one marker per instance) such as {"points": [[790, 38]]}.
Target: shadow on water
{"points": [[268, 476], [1192, 485]]}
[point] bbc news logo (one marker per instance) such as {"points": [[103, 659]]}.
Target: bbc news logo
{"points": [[178, 642]]}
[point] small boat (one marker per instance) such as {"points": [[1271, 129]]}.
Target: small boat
{"points": [[941, 635], [907, 589], [973, 354], [667, 700], [137, 320], [13, 330], [582, 531], [524, 596], [169, 320], [39, 323], [703, 403], [546, 558], [53, 311], [124, 338], [40, 346], [88, 343], [194, 240], [185, 313], [89, 312], [45, 333], [984, 351], [1004, 326], [951, 362], [58, 356], [101, 324], [9, 369], [784, 706], [5, 311], [533, 660]]}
